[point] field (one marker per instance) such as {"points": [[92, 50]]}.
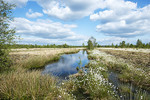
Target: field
{"points": [[131, 67]]}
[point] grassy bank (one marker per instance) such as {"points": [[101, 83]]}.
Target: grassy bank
{"points": [[91, 85], [139, 59], [30, 85], [38, 58], [21, 83], [127, 71]]}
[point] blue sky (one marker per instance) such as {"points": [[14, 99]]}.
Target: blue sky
{"points": [[75, 21]]}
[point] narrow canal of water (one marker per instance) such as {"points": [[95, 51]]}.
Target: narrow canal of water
{"points": [[67, 64]]}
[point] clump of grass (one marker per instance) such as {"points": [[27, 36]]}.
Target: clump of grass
{"points": [[22, 84], [39, 61], [128, 92], [141, 95]]}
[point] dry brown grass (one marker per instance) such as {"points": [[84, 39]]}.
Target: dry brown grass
{"points": [[127, 72], [42, 51], [139, 59], [30, 85], [128, 49], [38, 57], [24, 84]]}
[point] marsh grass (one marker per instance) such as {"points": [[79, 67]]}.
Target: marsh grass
{"points": [[128, 92], [127, 73], [22, 84], [91, 85], [139, 59], [38, 62], [37, 59]]}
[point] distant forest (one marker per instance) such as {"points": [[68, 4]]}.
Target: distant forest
{"points": [[122, 44]]}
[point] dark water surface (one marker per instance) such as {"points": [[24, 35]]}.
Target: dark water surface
{"points": [[67, 64]]}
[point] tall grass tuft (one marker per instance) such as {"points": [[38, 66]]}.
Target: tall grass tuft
{"points": [[22, 84], [39, 61]]}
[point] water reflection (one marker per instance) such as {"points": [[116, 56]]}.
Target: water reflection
{"points": [[67, 64]]}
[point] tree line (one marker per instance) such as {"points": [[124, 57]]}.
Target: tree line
{"points": [[123, 44], [92, 44], [14, 46]]}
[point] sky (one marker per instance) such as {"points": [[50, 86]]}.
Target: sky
{"points": [[75, 21]]}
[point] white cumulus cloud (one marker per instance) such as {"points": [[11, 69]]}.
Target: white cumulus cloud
{"points": [[48, 30], [123, 19], [31, 14], [70, 9], [18, 3]]}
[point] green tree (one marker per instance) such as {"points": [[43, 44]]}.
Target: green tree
{"points": [[112, 45], [147, 45], [6, 34], [116, 46], [83, 44], [93, 40], [139, 44], [127, 45], [131, 45], [122, 44], [98, 45], [65, 46], [90, 45]]}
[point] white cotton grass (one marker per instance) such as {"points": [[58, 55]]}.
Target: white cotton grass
{"points": [[110, 58]]}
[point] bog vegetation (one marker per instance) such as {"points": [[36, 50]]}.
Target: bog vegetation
{"points": [[21, 78]]}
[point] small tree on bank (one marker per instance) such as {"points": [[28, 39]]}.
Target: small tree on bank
{"points": [[90, 45], [6, 34], [83, 44]]}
